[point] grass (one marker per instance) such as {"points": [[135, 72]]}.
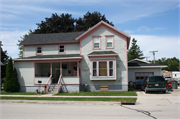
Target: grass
{"points": [[18, 93], [128, 93], [71, 99]]}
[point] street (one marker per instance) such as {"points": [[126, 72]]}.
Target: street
{"points": [[148, 106]]}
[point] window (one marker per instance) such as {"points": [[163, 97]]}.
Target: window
{"points": [[61, 48], [103, 68], [39, 50], [109, 42], [94, 68], [96, 42]]}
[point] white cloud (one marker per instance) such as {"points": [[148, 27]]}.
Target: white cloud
{"points": [[143, 28], [9, 40], [167, 46], [128, 31]]}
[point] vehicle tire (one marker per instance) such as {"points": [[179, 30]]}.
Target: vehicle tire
{"points": [[145, 91], [164, 91]]}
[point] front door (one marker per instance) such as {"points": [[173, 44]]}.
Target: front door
{"points": [[74, 69]]}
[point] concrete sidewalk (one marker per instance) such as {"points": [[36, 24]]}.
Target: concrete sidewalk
{"points": [[52, 95]]}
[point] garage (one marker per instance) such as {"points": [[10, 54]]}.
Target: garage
{"points": [[138, 69]]}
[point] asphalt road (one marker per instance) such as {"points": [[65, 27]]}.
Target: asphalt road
{"points": [[148, 106]]}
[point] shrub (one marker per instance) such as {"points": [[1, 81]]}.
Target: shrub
{"points": [[11, 83]]}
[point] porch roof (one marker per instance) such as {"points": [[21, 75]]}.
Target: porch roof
{"points": [[51, 57], [102, 54]]}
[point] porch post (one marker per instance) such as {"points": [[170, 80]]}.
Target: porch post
{"points": [[61, 68], [51, 68], [77, 68]]}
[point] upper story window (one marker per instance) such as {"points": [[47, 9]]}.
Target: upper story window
{"points": [[110, 41], [61, 48], [39, 49], [96, 42]]}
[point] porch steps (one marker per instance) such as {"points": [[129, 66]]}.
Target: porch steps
{"points": [[53, 89]]}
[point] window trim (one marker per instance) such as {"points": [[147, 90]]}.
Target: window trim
{"points": [[112, 36], [97, 68], [93, 42], [64, 49], [41, 50]]}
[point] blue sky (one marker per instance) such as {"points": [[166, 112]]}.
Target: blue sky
{"points": [[155, 24]]}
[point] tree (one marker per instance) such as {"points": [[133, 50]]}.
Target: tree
{"points": [[4, 60], [89, 20], [21, 46], [56, 24], [11, 83], [172, 63], [135, 52]]}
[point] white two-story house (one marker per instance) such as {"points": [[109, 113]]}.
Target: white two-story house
{"points": [[95, 59]]}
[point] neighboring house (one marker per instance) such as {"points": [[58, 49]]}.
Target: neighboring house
{"points": [[138, 69], [96, 59]]}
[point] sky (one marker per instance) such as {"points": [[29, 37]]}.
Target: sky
{"points": [[153, 23]]}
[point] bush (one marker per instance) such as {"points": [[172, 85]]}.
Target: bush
{"points": [[11, 83], [130, 88]]}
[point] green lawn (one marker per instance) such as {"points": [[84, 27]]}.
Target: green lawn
{"points": [[17, 93], [128, 93], [71, 99]]}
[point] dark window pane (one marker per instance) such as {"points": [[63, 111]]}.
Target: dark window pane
{"points": [[64, 66], [94, 65], [137, 77], [94, 72], [110, 64], [61, 46], [38, 49], [61, 50], [109, 44], [110, 72], [96, 45]]}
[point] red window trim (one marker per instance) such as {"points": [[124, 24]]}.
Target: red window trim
{"points": [[112, 36], [97, 68], [93, 42]]}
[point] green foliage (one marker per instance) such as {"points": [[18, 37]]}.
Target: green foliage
{"points": [[130, 88], [21, 46], [172, 63], [89, 20], [66, 23], [56, 24], [134, 51], [11, 83]]}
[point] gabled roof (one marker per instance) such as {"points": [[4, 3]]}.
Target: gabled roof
{"points": [[51, 38], [136, 63], [109, 27]]}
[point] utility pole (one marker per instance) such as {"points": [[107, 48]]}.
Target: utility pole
{"points": [[153, 54], [147, 58], [0, 61]]}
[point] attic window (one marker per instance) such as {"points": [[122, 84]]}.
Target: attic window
{"points": [[61, 48], [39, 49], [110, 41]]}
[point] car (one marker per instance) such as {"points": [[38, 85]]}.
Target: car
{"points": [[168, 85], [153, 83], [168, 78]]}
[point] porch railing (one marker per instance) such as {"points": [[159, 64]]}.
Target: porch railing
{"points": [[48, 84], [59, 83]]}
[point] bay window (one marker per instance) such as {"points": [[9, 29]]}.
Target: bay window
{"points": [[103, 68]]}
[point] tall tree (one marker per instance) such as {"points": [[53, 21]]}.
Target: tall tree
{"points": [[89, 20], [56, 24], [11, 83], [21, 46], [134, 51]]}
